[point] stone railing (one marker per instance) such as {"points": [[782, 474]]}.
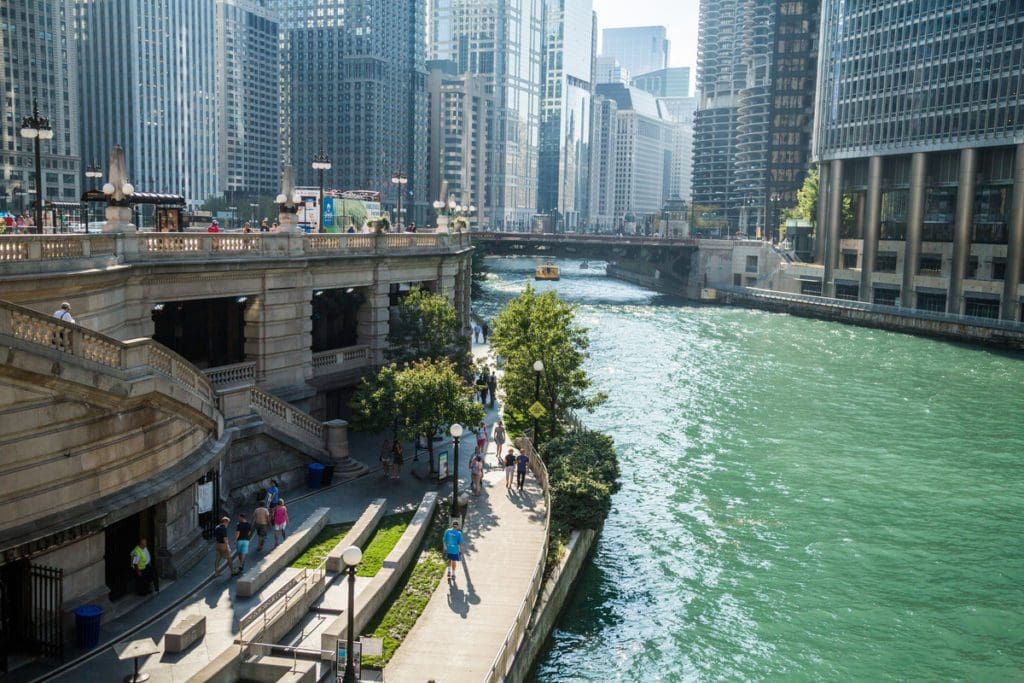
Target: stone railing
{"points": [[507, 654], [283, 415], [339, 360], [230, 375]]}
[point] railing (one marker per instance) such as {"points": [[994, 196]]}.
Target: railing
{"points": [[282, 414], [338, 360], [277, 604], [514, 637], [228, 375]]}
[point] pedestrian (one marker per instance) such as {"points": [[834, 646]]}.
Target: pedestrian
{"points": [[453, 548], [64, 313], [264, 227], [243, 530], [476, 468], [220, 540], [280, 521], [385, 458], [481, 387], [273, 495], [521, 462], [499, 439], [397, 459], [275, 227], [510, 466], [492, 385], [213, 227], [476, 333], [261, 521], [484, 330], [481, 440], [247, 228], [142, 568]]}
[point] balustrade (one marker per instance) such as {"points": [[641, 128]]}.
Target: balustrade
{"points": [[336, 360]]}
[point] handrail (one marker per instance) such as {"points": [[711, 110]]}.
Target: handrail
{"points": [[302, 580], [516, 633], [335, 360], [282, 413], [227, 375]]}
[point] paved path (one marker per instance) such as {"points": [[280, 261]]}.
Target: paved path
{"points": [[464, 625]]}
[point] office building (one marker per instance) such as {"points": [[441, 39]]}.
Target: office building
{"points": [[603, 137], [639, 49], [919, 127], [500, 41], [672, 82], [608, 70], [247, 79], [354, 84], [34, 67], [672, 88], [155, 96], [566, 74]]}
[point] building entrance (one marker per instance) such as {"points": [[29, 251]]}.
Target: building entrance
{"points": [[120, 538], [207, 332]]}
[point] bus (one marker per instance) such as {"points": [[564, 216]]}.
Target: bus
{"points": [[342, 208]]}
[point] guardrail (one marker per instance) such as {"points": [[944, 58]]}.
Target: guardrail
{"points": [[514, 637], [277, 604], [338, 360], [282, 414], [230, 375]]}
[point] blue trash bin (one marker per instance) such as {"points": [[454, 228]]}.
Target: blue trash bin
{"points": [[87, 625], [315, 475]]}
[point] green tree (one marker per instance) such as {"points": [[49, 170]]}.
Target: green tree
{"points": [[375, 404], [428, 327], [583, 469], [806, 208], [542, 327]]}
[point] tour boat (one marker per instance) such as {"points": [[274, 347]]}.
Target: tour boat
{"points": [[549, 271]]}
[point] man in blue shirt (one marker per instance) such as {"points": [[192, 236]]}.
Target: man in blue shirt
{"points": [[453, 548], [521, 462], [273, 495]]}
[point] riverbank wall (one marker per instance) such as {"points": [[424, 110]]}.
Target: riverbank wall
{"points": [[555, 592]]}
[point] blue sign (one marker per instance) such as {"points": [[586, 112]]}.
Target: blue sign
{"points": [[328, 213]]}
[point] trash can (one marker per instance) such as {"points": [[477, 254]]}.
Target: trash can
{"points": [[315, 475], [328, 475], [87, 625]]}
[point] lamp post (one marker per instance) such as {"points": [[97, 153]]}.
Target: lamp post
{"points": [[93, 173], [351, 556], [37, 128], [456, 431], [538, 368], [400, 180], [321, 163]]}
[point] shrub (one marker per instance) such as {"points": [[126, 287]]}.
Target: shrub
{"points": [[583, 472]]}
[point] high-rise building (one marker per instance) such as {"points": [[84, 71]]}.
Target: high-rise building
{"points": [[500, 40], [639, 49], [608, 70], [149, 82], [672, 88], [566, 73], [248, 75], [354, 84], [671, 82], [603, 137], [919, 135], [36, 67], [460, 112]]}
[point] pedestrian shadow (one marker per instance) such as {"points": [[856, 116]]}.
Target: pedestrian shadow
{"points": [[472, 597], [457, 601]]}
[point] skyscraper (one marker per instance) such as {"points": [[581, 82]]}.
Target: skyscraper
{"points": [[500, 40], [566, 73], [35, 68], [247, 82], [639, 49], [919, 135], [354, 83], [671, 82], [149, 82], [672, 88]]}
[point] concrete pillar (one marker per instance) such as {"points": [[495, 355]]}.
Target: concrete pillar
{"points": [[835, 217], [336, 439], [915, 226], [1015, 241], [874, 216], [284, 336], [819, 238], [962, 236], [374, 317]]}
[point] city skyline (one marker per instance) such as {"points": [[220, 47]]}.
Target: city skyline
{"points": [[680, 23]]}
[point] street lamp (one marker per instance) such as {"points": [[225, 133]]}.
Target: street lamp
{"points": [[456, 431], [93, 173], [538, 368], [37, 128], [321, 163], [351, 556], [400, 181]]}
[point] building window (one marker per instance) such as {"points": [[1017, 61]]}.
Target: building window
{"points": [[998, 268], [981, 307], [751, 264], [847, 292], [885, 262], [886, 296], [810, 288], [737, 279], [849, 260], [972, 267], [930, 264], [931, 302]]}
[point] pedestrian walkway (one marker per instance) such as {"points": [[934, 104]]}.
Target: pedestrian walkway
{"points": [[464, 625]]}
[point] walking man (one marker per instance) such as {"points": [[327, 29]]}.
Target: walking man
{"points": [[453, 548], [243, 530], [220, 540], [261, 520], [64, 313], [510, 467], [484, 330], [142, 568], [492, 386], [273, 495], [521, 463], [280, 521]]}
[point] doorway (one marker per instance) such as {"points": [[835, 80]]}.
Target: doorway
{"points": [[120, 538]]}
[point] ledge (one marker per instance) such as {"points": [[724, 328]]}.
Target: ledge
{"points": [[357, 535], [280, 557]]}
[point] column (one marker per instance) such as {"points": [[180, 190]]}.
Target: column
{"points": [[819, 237], [284, 361], [374, 317], [874, 215], [915, 225], [1015, 241], [835, 217], [962, 236]]}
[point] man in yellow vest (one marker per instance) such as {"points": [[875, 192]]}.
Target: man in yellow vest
{"points": [[142, 568]]}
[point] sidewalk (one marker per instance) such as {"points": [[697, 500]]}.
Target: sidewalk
{"points": [[464, 625]]}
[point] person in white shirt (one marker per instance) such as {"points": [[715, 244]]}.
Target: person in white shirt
{"points": [[64, 313]]}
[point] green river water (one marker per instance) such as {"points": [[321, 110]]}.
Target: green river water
{"points": [[801, 500]]}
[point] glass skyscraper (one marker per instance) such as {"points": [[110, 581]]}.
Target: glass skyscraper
{"points": [[639, 49]]}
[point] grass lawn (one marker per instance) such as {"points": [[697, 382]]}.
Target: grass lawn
{"points": [[383, 542], [321, 545], [410, 597]]}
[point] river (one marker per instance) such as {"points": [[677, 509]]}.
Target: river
{"points": [[801, 500]]}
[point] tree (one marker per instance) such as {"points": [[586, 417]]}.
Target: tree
{"points": [[806, 208], [375, 405], [542, 327], [428, 328], [583, 470]]}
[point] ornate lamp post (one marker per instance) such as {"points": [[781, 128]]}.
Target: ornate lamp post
{"points": [[538, 368], [321, 163], [37, 128], [93, 173], [456, 431], [398, 178], [351, 556]]}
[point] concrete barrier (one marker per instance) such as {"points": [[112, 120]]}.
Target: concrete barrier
{"points": [[357, 535], [185, 632], [280, 557], [373, 596]]}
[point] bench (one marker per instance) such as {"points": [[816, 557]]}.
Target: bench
{"points": [[184, 633]]}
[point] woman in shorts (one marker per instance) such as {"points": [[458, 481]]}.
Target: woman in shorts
{"points": [[280, 521], [476, 468], [499, 439]]}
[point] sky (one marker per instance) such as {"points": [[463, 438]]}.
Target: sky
{"points": [[678, 16]]}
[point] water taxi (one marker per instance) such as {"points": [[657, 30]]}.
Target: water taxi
{"points": [[548, 271]]}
